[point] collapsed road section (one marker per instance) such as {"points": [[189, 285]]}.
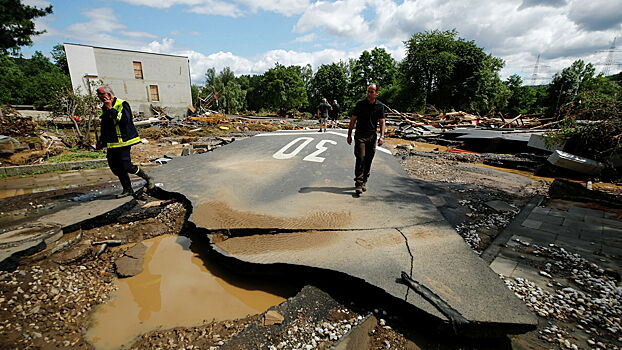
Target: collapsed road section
{"points": [[288, 198]]}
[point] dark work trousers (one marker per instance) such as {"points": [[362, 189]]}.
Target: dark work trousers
{"points": [[120, 162], [364, 151]]}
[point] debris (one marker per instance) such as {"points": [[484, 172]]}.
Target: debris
{"points": [[152, 204], [272, 317], [131, 263], [162, 160], [501, 206], [108, 242], [575, 163]]}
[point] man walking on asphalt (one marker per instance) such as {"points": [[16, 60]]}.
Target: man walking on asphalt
{"points": [[118, 134], [367, 114], [322, 113], [334, 113]]}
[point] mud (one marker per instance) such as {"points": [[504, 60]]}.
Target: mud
{"points": [[167, 295], [219, 215]]}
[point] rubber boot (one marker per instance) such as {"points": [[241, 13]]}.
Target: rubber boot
{"points": [[126, 183], [146, 177]]}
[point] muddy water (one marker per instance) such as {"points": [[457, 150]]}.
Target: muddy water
{"points": [[175, 289]]}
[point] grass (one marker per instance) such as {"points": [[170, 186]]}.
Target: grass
{"points": [[73, 155]]}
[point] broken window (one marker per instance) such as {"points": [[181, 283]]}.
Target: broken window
{"points": [[138, 70], [153, 92]]}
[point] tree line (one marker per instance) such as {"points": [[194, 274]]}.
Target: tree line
{"points": [[440, 72]]}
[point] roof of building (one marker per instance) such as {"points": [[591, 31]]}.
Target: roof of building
{"points": [[110, 48]]}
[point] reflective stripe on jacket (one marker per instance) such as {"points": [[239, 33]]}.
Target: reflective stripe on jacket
{"points": [[118, 132]]}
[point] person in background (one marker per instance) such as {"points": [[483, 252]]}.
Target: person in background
{"points": [[367, 114], [118, 134], [334, 113], [322, 114]]}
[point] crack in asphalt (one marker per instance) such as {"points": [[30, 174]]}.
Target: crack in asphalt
{"points": [[412, 259]]}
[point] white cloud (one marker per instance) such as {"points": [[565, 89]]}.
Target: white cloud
{"points": [[228, 8], [305, 38], [166, 46], [164, 3], [199, 62], [285, 7], [36, 3], [104, 29], [219, 8], [341, 18], [137, 34]]}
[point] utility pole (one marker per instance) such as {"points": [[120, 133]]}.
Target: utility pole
{"points": [[536, 71], [534, 76], [609, 60]]}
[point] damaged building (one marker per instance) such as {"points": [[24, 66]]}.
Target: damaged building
{"points": [[144, 79]]}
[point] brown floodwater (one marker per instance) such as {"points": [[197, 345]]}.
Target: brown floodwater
{"points": [[177, 289]]}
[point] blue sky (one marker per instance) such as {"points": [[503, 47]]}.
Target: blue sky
{"points": [[250, 36]]}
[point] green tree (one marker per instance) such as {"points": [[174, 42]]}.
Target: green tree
{"points": [[194, 93], [32, 80], [12, 82], [43, 77], [17, 26], [329, 82], [283, 88], [450, 73], [567, 87], [376, 66], [254, 91], [232, 97], [60, 58]]}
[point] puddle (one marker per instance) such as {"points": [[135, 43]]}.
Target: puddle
{"points": [[516, 171], [176, 289], [418, 146]]}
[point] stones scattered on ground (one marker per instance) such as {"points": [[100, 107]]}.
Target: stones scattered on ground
{"points": [[579, 291], [311, 320], [501, 206]]}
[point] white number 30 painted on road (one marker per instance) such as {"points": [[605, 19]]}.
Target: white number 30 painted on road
{"points": [[313, 157]]}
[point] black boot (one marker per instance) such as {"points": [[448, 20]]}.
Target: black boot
{"points": [[146, 177], [126, 183]]}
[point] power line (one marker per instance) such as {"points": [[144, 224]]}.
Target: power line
{"points": [[609, 60]]}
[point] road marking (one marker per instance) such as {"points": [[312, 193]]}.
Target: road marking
{"points": [[315, 133]]}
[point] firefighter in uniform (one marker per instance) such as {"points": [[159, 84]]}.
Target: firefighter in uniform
{"points": [[118, 134]]}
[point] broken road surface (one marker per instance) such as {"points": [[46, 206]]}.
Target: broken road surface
{"points": [[296, 189]]}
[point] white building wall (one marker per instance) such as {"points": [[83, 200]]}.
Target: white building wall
{"points": [[169, 73], [81, 62]]}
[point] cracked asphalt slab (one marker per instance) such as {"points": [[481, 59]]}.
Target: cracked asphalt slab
{"points": [[297, 186]]}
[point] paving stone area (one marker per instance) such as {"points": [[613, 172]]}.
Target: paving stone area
{"points": [[594, 234]]}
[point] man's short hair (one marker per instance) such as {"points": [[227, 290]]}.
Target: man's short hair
{"points": [[106, 89]]}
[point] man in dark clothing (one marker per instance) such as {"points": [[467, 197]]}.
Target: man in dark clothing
{"points": [[118, 134], [367, 114], [334, 113], [322, 113]]}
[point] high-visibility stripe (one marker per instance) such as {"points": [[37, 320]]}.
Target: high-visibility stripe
{"points": [[124, 143]]}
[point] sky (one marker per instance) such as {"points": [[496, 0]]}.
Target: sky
{"points": [[250, 36]]}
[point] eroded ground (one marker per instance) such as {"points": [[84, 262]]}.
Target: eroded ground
{"points": [[48, 303]]}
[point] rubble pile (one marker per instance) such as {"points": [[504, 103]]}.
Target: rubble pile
{"points": [[304, 334], [17, 126], [462, 119], [482, 221], [590, 297], [50, 306]]}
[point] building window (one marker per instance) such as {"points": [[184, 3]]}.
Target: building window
{"points": [[153, 92], [138, 70]]}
